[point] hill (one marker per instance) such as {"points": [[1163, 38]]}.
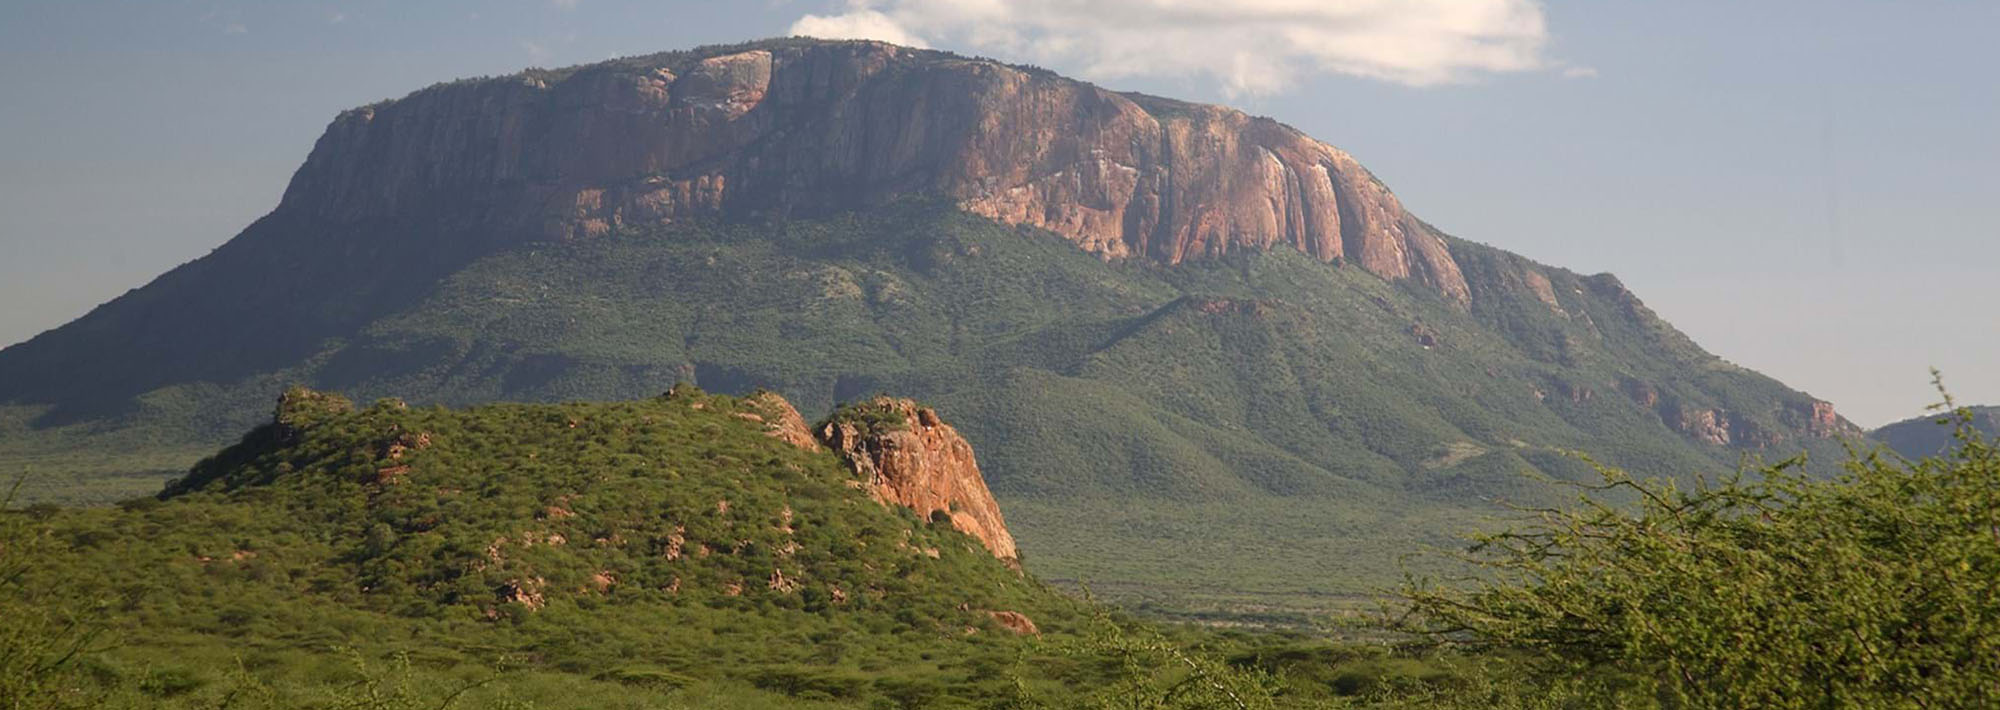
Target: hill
{"points": [[1921, 437], [1176, 332], [632, 553]]}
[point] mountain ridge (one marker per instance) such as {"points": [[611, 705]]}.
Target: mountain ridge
{"points": [[1932, 435], [693, 134]]}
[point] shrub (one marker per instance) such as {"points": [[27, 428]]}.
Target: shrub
{"points": [[1777, 590]]}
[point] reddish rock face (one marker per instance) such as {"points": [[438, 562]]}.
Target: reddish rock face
{"points": [[1015, 621], [799, 127], [1815, 418], [1823, 422], [1538, 284], [925, 465], [782, 421], [1709, 425]]}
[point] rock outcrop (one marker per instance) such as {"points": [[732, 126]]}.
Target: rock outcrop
{"points": [[801, 126], [1822, 421], [781, 420], [299, 408], [909, 456], [1015, 621]]}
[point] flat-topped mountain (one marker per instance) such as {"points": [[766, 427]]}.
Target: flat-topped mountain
{"points": [[1174, 332], [805, 128]]}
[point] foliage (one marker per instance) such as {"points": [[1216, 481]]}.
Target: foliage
{"points": [[1140, 669], [44, 633], [1874, 589], [870, 416]]}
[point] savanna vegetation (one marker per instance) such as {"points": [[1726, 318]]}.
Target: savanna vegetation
{"points": [[667, 553]]}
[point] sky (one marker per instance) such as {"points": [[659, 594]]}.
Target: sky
{"points": [[1809, 188]]}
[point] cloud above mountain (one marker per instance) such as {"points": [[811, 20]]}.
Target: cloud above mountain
{"points": [[1249, 46]]}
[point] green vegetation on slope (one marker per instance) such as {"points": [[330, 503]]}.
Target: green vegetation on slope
{"points": [[647, 543], [1142, 425]]}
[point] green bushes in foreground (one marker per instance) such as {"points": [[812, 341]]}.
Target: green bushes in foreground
{"points": [[1879, 588], [1875, 589]]}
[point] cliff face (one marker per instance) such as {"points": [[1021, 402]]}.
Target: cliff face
{"points": [[921, 463], [804, 127]]}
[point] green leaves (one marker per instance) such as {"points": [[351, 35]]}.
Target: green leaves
{"points": [[1875, 589]]}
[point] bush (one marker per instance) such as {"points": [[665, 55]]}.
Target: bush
{"points": [[1777, 590], [43, 635]]}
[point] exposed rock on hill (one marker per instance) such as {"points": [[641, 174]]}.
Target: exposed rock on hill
{"points": [[914, 459], [908, 456], [781, 419], [810, 127]]}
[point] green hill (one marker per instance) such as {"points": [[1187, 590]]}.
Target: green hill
{"points": [[628, 554]]}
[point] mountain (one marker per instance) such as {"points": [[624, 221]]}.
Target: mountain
{"points": [[1921, 437], [601, 554], [1203, 355]]}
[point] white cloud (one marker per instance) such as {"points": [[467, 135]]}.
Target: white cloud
{"points": [[235, 28], [1579, 73], [862, 23], [1250, 46]]}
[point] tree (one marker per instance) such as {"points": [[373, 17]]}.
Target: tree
{"points": [[43, 635], [1877, 588]]}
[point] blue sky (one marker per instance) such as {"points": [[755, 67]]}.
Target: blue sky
{"points": [[1810, 189]]}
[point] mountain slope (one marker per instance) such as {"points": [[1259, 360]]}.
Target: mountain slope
{"points": [[1922, 437], [1174, 332]]}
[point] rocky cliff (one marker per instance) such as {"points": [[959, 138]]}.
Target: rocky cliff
{"points": [[911, 457], [805, 126]]}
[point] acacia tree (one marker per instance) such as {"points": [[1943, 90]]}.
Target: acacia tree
{"points": [[42, 634], [1136, 668], [1878, 588]]}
